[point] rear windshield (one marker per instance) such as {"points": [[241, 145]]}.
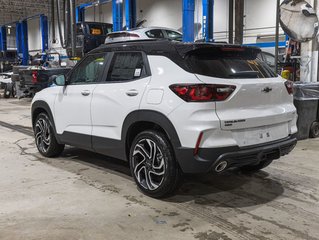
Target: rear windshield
{"points": [[228, 64]]}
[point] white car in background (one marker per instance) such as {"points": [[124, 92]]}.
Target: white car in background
{"points": [[6, 84], [144, 33], [5, 77]]}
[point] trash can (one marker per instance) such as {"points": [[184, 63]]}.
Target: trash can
{"points": [[306, 98]]}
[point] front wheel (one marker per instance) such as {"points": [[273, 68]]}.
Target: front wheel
{"points": [[45, 138], [153, 164]]}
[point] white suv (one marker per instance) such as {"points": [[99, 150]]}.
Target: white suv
{"points": [[169, 108]]}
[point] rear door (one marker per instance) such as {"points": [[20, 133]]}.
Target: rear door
{"points": [[119, 94], [260, 109]]}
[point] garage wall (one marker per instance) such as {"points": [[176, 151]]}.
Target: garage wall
{"points": [[168, 13]]}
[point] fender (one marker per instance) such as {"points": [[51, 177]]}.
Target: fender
{"points": [[153, 117]]}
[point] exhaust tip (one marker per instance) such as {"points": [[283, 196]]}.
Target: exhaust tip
{"points": [[221, 166]]}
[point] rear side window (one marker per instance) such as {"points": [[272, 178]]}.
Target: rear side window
{"points": [[155, 33], [229, 65], [126, 66], [172, 35]]}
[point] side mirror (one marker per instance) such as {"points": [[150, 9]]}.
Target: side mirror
{"points": [[59, 80]]}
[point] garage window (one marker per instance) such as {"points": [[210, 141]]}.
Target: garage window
{"points": [[126, 67]]}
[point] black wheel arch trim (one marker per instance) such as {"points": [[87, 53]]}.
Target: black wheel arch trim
{"points": [[43, 105], [152, 117]]}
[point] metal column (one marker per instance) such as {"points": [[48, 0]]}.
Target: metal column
{"points": [[44, 34], [80, 12], [19, 38], [188, 20], [117, 13], [208, 20], [277, 34], [231, 22], [130, 14], [24, 42], [239, 21], [3, 38]]}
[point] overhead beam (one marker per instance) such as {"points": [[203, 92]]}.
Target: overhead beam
{"points": [[188, 20], [239, 21], [117, 14], [208, 20]]}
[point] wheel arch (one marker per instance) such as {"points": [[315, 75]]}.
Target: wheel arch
{"points": [[43, 107], [148, 118]]}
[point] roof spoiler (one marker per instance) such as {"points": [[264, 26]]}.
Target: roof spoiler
{"points": [[218, 50]]}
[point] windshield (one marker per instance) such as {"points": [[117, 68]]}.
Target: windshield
{"points": [[229, 64]]}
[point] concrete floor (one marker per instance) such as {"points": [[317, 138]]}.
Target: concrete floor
{"points": [[82, 195]]}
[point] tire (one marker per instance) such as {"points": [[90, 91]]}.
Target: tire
{"points": [[14, 91], [162, 176], [7, 90], [256, 168], [45, 137], [314, 130]]}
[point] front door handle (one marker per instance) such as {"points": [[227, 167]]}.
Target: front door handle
{"points": [[132, 93], [85, 92]]}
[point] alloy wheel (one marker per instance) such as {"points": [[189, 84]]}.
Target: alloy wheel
{"points": [[148, 164], [42, 135]]}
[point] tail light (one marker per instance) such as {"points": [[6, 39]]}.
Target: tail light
{"points": [[34, 77], [290, 87], [203, 92]]}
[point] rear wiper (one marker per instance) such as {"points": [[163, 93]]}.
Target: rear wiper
{"points": [[244, 74]]}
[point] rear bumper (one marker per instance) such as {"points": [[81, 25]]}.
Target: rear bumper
{"points": [[208, 158]]}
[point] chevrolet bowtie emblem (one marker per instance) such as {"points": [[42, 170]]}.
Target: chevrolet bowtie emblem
{"points": [[267, 90]]}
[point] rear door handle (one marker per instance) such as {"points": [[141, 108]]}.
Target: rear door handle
{"points": [[132, 93], [85, 92]]}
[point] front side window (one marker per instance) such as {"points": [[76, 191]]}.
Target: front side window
{"points": [[126, 67], [155, 33], [89, 70]]}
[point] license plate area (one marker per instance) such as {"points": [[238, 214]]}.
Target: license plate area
{"points": [[254, 136]]}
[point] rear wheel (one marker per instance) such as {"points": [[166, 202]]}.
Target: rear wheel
{"points": [[256, 168], [153, 165], [45, 138]]}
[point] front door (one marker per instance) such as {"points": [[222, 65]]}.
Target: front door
{"points": [[73, 103]]}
